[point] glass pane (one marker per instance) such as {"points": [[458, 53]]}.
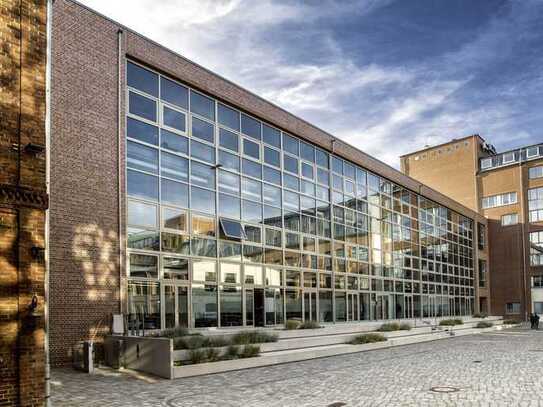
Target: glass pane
{"points": [[142, 185], [142, 214], [293, 305], [252, 212], [174, 219], [271, 175], [253, 275], [143, 266], [229, 140], [290, 164], [175, 268], [204, 270], [173, 166], [169, 306], [271, 136], [183, 306], [250, 127], [307, 170], [174, 93], [272, 157], [174, 119], [141, 131], [290, 144], [322, 158], [291, 182], [202, 200], [174, 193], [203, 130], [253, 233], [251, 149], [229, 182], [229, 161], [203, 225], [229, 206], [230, 273], [144, 305], [203, 247], [142, 106], [204, 305], [272, 216], [273, 237], [174, 142], [141, 157], [231, 310], [228, 117], [307, 152], [143, 239], [175, 243], [325, 306], [202, 105], [203, 175], [251, 189], [251, 168], [272, 195], [202, 151], [141, 79], [230, 251], [273, 276]]}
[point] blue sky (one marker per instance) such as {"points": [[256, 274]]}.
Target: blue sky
{"points": [[386, 76]]}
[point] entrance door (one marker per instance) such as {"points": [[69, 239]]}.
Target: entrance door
{"points": [[352, 307], [408, 299], [176, 309], [310, 306], [258, 301]]}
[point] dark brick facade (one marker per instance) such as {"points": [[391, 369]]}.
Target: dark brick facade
{"points": [[23, 201], [86, 282]]}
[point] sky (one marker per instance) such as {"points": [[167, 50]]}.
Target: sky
{"points": [[387, 76]]}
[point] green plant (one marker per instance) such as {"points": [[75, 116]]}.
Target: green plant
{"points": [[367, 338], [217, 341], [309, 325], [249, 351], [174, 332], [480, 315], [197, 356], [450, 322], [212, 355], [484, 324], [405, 326], [292, 324], [388, 327], [247, 337], [511, 322], [232, 352]]}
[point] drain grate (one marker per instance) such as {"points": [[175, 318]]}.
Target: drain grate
{"points": [[444, 389], [337, 404], [477, 361]]}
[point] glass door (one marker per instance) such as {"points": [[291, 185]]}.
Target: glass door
{"points": [[249, 307], [310, 306], [408, 300], [352, 307], [176, 310]]}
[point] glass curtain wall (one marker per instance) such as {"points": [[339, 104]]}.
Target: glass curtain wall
{"points": [[232, 222]]}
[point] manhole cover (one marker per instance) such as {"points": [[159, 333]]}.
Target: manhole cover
{"points": [[444, 389], [337, 404]]}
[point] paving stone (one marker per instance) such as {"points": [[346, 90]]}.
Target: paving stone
{"points": [[509, 373]]}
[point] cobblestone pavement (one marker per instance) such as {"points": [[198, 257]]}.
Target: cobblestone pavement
{"points": [[493, 369]]}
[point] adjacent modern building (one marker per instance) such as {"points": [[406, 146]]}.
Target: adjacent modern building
{"points": [[507, 189], [181, 199]]}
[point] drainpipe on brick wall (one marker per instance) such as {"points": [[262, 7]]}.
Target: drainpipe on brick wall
{"points": [[119, 169], [48, 190], [523, 237]]}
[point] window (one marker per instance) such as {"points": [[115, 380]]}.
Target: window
{"points": [[142, 185], [173, 166], [142, 106], [142, 79], [229, 182], [532, 152], [228, 140], [290, 144], [290, 164], [203, 225], [175, 268], [229, 161], [510, 219], [251, 168], [272, 157], [481, 235], [143, 266], [202, 200], [174, 193], [535, 204], [271, 136], [535, 172], [482, 273], [203, 130], [174, 93], [174, 142], [141, 157], [141, 131], [252, 211], [174, 219], [174, 119], [508, 158], [486, 163], [307, 152], [202, 175], [322, 158], [250, 127], [142, 214], [537, 281], [232, 229], [536, 248], [228, 117], [202, 151], [251, 149], [512, 308], [204, 305], [229, 206], [499, 200], [202, 105]]}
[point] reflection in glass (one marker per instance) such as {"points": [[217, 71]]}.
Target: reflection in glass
{"points": [[231, 308], [204, 305]]}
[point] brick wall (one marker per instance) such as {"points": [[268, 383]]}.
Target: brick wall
{"points": [[22, 201], [84, 282]]}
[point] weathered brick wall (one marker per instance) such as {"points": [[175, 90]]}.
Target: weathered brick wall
{"points": [[22, 201], [84, 282]]}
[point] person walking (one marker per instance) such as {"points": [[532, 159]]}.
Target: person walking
{"points": [[536, 321], [532, 320]]}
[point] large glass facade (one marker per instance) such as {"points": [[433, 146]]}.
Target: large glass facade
{"points": [[232, 222]]}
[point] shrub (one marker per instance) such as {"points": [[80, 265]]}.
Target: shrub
{"points": [[309, 325], [174, 332], [388, 327], [247, 337], [232, 352], [197, 356], [480, 315], [249, 351], [484, 324], [405, 326], [451, 322], [511, 321], [212, 355], [217, 341], [367, 338], [292, 324]]}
